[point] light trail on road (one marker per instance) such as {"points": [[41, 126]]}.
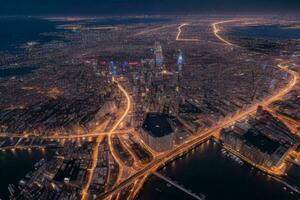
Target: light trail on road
{"points": [[112, 150], [163, 159], [153, 30], [184, 39], [291, 123], [136, 188], [96, 147], [216, 31], [95, 153], [277, 96], [67, 137]]}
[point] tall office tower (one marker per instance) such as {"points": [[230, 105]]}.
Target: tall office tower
{"points": [[159, 59], [180, 61], [113, 68], [180, 99], [125, 66]]}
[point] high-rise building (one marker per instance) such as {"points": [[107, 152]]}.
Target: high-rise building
{"points": [[159, 59], [125, 66], [180, 62], [113, 68], [158, 132]]}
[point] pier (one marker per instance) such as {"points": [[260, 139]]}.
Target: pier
{"points": [[180, 187]]}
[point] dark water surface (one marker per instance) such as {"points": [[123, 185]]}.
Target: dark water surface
{"points": [[207, 171], [267, 31], [15, 165], [16, 31], [4, 73], [125, 21]]}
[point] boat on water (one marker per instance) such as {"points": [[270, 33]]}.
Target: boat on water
{"points": [[11, 189], [231, 156]]}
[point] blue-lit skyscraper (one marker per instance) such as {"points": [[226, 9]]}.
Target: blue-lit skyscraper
{"points": [[180, 58], [125, 66], [180, 61], [113, 68]]}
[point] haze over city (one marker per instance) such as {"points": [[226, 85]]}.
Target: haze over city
{"points": [[150, 99], [119, 7]]}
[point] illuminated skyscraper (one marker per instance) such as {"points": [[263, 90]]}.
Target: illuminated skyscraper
{"points": [[159, 59], [113, 68], [125, 66], [180, 61]]}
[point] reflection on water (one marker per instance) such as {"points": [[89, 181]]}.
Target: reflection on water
{"points": [[14, 165], [217, 176]]}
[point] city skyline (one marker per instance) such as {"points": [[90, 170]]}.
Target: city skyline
{"points": [[146, 100]]}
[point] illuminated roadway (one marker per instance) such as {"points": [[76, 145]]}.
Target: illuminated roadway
{"points": [[183, 39], [120, 120], [178, 186], [291, 123], [216, 31], [72, 136], [194, 140], [144, 32], [99, 139]]}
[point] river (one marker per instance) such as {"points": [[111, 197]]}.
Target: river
{"points": [[14, 165], [207, 171]]}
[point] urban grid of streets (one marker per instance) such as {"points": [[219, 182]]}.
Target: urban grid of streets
{"points": [[139, 177], [136, 175]]}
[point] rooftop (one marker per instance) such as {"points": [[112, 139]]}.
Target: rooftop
{"points": [[157, 124], [261, 142]]}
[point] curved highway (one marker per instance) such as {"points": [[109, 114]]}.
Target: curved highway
{"points": [[190, 143], [98, 141]]}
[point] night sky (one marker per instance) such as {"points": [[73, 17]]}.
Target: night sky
{"points": [[105, 7]]}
